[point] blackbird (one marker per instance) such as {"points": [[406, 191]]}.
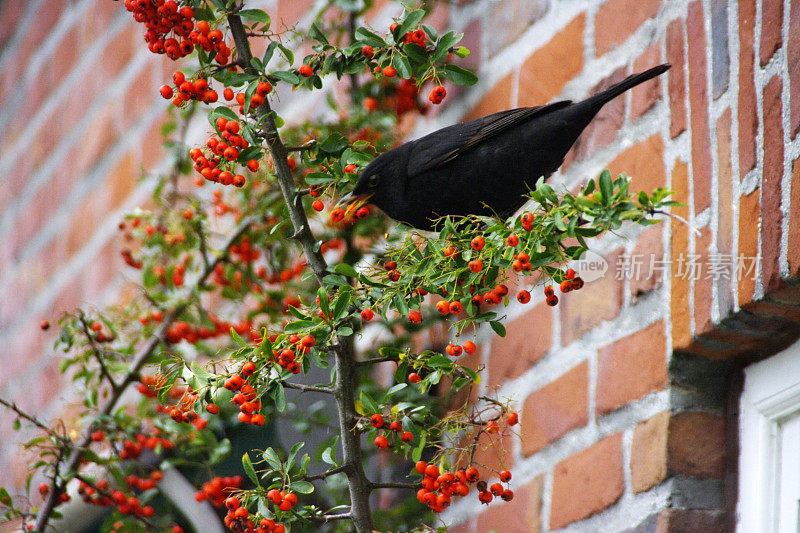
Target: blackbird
{"points": [[481, 167]]}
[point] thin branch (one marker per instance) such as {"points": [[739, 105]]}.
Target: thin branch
{"points": [[141, 358], [394, 485], [344, 354], [310, 145], [331, 472], [97, 352], [30, 418], [332, 517], [307, 388], [376, 360]]}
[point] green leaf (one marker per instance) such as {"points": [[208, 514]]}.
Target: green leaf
{"points": [[301, 487], [255, 14], [445, 43], [334, 143], [345, 269], [269, 52], [431, 31], [460, 76], [369, 403], [403, 66], [249, 470], [417, 453], [370, 38], [248, 95], [396, 388], [317, 35], [605, 186], [342, 303], [239, 340], [411, 21], [322, 294], [329, 455], [498, 328], [462, 52], [222, 111], [286, 76], [272, 459]]}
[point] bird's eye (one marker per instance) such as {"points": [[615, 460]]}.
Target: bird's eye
{"points": [[374, 180]]}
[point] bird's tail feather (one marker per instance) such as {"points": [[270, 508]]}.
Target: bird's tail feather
{"points": [[617, 89]]}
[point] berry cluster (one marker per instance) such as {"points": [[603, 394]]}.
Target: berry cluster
{"points": [[227, 148], [238, 517], [245, 398], [218, 489], [162, 18], [393, 427], [188, 90]]}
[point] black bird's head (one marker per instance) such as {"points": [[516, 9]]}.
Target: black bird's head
{"points": [[381, 184]]}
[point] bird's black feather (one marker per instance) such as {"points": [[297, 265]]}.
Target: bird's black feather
{"points": [[484, 166]]}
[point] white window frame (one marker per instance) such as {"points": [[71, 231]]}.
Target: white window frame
{"points": [[771, 395]]}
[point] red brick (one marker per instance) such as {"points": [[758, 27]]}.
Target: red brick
{"points": [[748, 119], [11, 14], [698, 106], [523, 514], [616, 20], [793, 67], [645, 96], [794, 221], [643, 162], [771, 215], [631, 367], [649, 452], [771, 23], [696, 445], [748, 243], [702, 283], [598, 301], [556, 409], [603, 129], [545, 73], [691, 521], [47, 16], [725, 183], [587, 482], [527, 339], [473, 40], [648, 254], [497, 99]]}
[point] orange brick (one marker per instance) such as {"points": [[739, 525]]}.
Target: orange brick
{"points": [[631, 367], [643, 163], [556, 409], [545, 73], [748, 119], [771, 184], [649, 452], [679, 244], [645, 96], [676, 78], [771, 23], [702, 283], [749, 209], [598, 301], [649, 255], [527, 339], [698, 106], [616, 20], [523, 514], [290, 11], [497, 99], [587, 482], [696, 445], [603, 129], [794, 221]]}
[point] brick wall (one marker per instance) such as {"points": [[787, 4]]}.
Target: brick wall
{"points": [[623, 388]]}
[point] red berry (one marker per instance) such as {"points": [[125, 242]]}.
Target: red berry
{"points": [[376, 420], [512, 419], [381, 442], [406, 436], [367, 315], [512, 240], [505, 476], [367, 51], [305, 70], [318, 205], [337, 215], [523, 296], [415, 316], [413, 377], [475, 266], [507, 495], [166, 91], [232, 503], [443, 307], [478, 243], [469, 347], [390, 71], [44, 325]]}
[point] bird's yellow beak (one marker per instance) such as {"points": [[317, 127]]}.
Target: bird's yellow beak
{"points": [[354, 202]]}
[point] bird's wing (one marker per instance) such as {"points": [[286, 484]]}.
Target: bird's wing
{"points": [[444, 145]]}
